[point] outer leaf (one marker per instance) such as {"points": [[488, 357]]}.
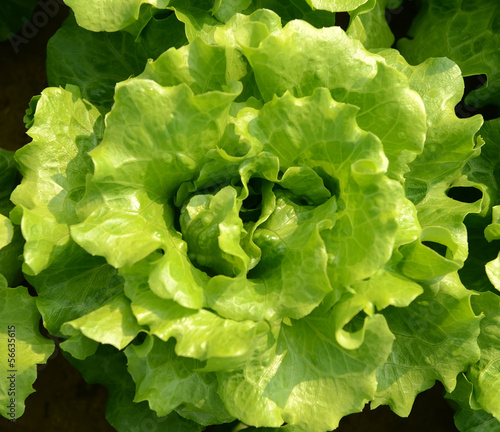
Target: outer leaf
{"points": [[336, 5], [109, 367], [174, 277], [200, 334], [326, 58], [468, 419], [468, 34], [8, 180], [168, 382], [242, 391], [492, 232], [6, 231], [295, 9], [474, 273], [95, 62], [225, 9], [113, 323], [23, 347], [109, 15], [74, 285], [332, 367], [493, 272], [485, 374], [484, 168], [481, 268], [198, 23], [385, 288], [436, 338], [12, 248], [202, 66], [12, 242], [286, 428], [79, 346], [54, 166], [311, 381], [372, 28], [450, 143]]}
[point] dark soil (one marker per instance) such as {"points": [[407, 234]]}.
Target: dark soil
{"points": [[63, 401], [22, 73]]}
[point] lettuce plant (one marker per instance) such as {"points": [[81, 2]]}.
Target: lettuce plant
{"points": [[238, 211]]}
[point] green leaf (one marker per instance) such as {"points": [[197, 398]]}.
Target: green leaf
{"points": [[385, 288], [126, 204], [372, 28], [198, 22], [466, 34], [290, 238], [23, 347], [485, 374], [109, 367], [484, 169], [492, 232], [473, 274], [109, 15], [79, 346], [202, 66], [113, 323], [242, 391], [336, 5], [211, 226], [8, 180], [436, 339], [332, 365], [289, 10], [200, 334], [6, 231], [54, 167], [173, 276], [449, 144], [10, 255], [169, 382], [11, 239], [468, 419], [225, 9], [310, 380], [75, 284], [95, 62], [387, 106]]}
